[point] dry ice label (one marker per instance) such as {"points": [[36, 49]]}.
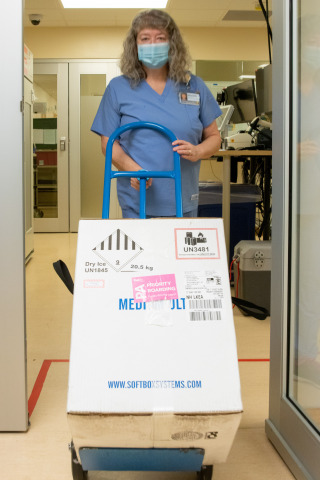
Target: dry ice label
{"points": [[197, 243], [117, 250]]}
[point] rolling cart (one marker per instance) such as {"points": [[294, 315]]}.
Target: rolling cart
{"points": [[139, 459]]}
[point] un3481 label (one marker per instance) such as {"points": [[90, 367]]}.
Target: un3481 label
{"points": [[196, 249]]}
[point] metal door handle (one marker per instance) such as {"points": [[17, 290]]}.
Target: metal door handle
{"points": [[62, 143]]}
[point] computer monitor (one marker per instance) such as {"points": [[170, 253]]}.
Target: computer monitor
{"points": [[224, 119], [264, 90], [243, 97]]}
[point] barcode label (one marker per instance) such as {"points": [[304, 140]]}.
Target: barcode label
{"points": [[200, 316], [211, 303]]}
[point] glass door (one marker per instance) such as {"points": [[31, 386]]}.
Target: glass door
{"points": [[51, 147], [294, 417], [304, 366], [88, 81], [28, 167]]}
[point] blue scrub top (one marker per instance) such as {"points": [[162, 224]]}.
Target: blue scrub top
{"points": [[122, 104]]}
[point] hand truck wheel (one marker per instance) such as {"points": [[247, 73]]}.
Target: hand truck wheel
{"points": [[205, 473], [77, 471]]}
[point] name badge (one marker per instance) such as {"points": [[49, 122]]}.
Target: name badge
{"points": [[189, 98]]}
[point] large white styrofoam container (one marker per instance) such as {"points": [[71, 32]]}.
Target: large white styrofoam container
{"points": [[153, 351]]}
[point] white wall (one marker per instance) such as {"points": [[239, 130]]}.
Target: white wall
{"points": [[13, 411], [204, 43]]}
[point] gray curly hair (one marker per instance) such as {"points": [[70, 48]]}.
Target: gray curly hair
{"points": [[179, 59]]}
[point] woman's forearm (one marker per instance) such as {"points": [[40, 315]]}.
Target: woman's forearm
{"points": [[209, 146], [123, 162], [120, 159]]}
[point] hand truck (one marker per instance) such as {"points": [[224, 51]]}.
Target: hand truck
{"points": [[139, 459]]}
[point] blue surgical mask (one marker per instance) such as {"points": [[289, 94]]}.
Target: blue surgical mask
{"points": [[153, 55]]}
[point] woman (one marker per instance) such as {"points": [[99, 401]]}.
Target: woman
{"points": [[156, 86]]}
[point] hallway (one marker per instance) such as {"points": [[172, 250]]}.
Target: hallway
{"points": [[42, 452]]}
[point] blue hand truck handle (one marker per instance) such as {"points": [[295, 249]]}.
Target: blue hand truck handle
{"points": [[109, 174]]}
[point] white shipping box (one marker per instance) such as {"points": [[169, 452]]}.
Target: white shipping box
{"points": [[153, 360]]}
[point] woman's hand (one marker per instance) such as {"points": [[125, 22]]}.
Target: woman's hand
{"points": [[186, 150], [123, 162], [135, 183], [211, 142]]}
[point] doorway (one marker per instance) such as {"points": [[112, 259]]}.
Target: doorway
{"points": [[294, 412], [50, 145], [87, 83], [69, 165]]}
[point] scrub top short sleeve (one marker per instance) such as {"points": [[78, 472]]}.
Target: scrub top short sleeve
{"points": [[123, 104], [107, 119]]}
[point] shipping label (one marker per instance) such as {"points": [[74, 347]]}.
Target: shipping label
{"points": [[204, 295], [195, 243], [154, 287]]}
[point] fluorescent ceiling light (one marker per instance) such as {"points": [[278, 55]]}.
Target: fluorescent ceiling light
{"points": [[243, 77], [114, 4]]}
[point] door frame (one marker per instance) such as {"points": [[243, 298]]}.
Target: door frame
{"points": [[110, 68], [28, 166], [293, 437], [13, 376], [72, 99]]}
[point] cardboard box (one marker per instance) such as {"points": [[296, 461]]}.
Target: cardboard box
{"points": [[153, 351]]}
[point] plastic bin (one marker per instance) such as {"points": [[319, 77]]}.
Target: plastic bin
{"points": [[243, 199]]}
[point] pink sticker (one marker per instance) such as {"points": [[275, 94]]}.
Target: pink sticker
{"points": [[154, 287]]}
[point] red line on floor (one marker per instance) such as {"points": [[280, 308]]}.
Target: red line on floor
{"points": [[254, 360], [37, 388]]}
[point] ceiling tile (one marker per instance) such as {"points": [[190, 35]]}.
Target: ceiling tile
{"points": [[245, 4], [198, 4], [244, 16], [43, 4], [51, 18], [187, 13], [197, 18]]}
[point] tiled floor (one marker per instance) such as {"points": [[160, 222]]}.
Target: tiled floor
{"points": [[42, 452]]}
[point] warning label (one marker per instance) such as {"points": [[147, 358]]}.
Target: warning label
{"points": [[118, 249], [197, 243]]}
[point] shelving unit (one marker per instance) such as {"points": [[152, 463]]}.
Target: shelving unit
{"points": [[45, 184]]}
